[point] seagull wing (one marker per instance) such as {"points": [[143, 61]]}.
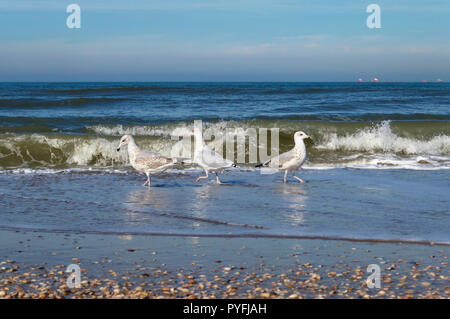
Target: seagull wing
{"points": [[152, 160], [214, 159], [279, 161]]}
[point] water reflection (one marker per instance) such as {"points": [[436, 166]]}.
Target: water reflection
{"points": [[141, 203], [147, 197], [202, 197], [126, 237], [295, 197]]}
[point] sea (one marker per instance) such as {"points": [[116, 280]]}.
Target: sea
{"points": [[377, 168]]}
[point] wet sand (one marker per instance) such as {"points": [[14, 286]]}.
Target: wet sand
{"points": [[33, 264]]}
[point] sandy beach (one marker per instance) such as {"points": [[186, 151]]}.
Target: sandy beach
{"points": [[33, 265]]}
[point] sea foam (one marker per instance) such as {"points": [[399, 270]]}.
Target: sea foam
{"points": [[380, 138]]}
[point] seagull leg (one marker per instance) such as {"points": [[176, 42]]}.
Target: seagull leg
{"points": [[217, 179], [285, 175], [148, 180], [202, 177], [297, 178]]}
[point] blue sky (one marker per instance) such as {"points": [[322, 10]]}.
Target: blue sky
{"points": [[224, 40]]}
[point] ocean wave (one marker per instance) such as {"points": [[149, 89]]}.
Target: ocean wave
{"points": [[380, 138], [217, 128], [35, 103], [253, 88], [158, 89], [316, 126], [57, 151], [407, 138], [113, 125], [140, 130], [383, 145]]}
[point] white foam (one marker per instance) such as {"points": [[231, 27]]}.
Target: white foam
{"points": [[386, 161], [168, 130], [45, 171], [119, 130], [380, 138]]}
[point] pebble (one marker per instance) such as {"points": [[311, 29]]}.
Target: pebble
{"points": [[310, 280]]}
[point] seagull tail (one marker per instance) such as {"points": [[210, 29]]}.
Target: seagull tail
{"points": [[259, 165], [233, 165]]}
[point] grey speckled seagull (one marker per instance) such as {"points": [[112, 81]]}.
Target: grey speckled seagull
{"points": [[148, 162]]}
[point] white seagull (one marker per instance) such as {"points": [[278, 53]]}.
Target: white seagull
{"points": [[291, 160], [207, 158], [148, 162]]}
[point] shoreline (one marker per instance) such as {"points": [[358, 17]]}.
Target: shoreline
{"points": [[33, 264], [242, 235]]}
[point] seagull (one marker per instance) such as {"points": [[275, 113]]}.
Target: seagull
{"points": [[207, 158], [147, 162], [291, 160]]}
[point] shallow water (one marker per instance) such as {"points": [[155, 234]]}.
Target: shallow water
{"points": [[377, 169], [405, 205]]}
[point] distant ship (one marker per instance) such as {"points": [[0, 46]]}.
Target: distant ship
{"points": [[360, 80], [375, 80], [438, 80]]}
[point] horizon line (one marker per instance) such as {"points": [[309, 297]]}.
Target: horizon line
{"points": [[225, 81]]}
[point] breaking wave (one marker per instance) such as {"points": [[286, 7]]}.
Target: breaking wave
{"points": [[380, 138], [424, 145]]}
